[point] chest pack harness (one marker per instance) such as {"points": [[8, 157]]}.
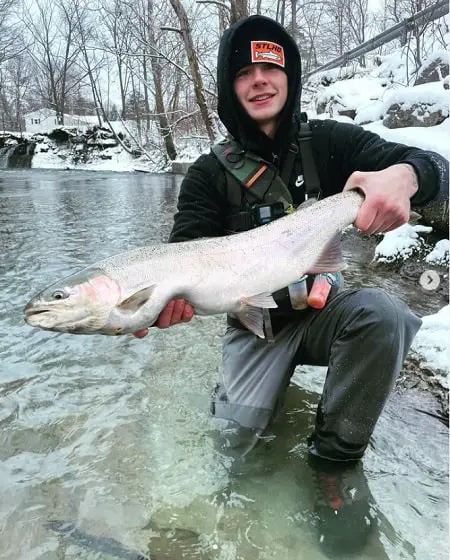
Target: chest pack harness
{"points": [[257, 192]]}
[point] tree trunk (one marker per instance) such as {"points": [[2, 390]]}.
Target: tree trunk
{"points": [[135, 96], [146, 99], [294, 19], [123, 97], [282, 12], [83, 49], [239, 9], [194, 66], [164, 125]]}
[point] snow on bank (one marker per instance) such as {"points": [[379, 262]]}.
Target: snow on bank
{"points": [[401, 243], [351, 94], [440, 254], [432, 344], [434, 138], [110, 159]]}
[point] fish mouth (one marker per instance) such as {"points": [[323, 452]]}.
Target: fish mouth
{"points": [[30, 312], [36, 316]]}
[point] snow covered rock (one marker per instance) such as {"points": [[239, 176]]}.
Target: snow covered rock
{"points": [[421, 106], [435, 69]]}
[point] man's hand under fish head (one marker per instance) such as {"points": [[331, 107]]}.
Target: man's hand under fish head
{"points": [[176, 311]]}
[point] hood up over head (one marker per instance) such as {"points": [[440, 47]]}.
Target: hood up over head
{"points": [[235, 52]]}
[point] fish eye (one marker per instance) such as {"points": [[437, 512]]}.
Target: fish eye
{"points": [[59, 294]]}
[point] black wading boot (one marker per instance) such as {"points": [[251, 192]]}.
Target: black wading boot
{"points": [[342, 508]]}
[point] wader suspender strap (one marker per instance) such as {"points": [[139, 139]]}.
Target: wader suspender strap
{"points": [[312, 183], [288, 165]]}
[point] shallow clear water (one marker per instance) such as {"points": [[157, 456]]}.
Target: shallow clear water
{"points": [[114, 434]]}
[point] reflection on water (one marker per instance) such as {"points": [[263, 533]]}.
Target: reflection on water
{"points": [[106, 443]]}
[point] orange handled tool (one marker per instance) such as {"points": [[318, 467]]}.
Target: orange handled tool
{"points": [[320, 291]]}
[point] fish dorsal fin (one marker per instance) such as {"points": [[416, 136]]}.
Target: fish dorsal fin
{"points": [[251, 314], [330, 259], [136, 300]]}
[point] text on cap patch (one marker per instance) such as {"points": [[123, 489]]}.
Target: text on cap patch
{"points": [[267, 51]]}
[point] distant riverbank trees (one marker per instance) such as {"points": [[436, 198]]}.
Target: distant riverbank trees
{"points": [[150, 64]]}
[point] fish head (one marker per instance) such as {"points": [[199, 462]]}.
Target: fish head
{"points": [[80, 303]]}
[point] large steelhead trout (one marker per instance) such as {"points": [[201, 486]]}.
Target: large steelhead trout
{"points": [[232, 274]]}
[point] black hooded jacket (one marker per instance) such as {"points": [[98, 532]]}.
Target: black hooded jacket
{"points": [[339, 149]]}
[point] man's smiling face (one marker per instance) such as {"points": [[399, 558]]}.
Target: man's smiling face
{"points": [[262, 91]]}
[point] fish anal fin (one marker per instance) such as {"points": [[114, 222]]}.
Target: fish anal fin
{"points": [[252, 318], [330, 259], [134, 302], [251, 314]]}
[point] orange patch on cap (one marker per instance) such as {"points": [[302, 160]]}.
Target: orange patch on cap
{"points": [[267, 51]]}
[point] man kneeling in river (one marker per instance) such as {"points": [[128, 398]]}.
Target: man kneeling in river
{"points": [[362, 335]]}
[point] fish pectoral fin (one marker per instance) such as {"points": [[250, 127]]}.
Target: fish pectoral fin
{"points": [[264, 301], [136, 300], [330, 259], [253, 319]]}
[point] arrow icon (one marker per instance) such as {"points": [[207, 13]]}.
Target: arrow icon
{"points": [[429, 280]]}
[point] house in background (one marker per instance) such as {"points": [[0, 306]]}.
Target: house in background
{"points": [[45, 120]]}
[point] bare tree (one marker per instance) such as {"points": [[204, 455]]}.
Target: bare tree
{"points": [[399, 10], [89, 61], [10, 35], [281, 10], [164, 125], [294, 29], [119, 25], [334, 26], [310, 36], [54, 52], [357, 17], [185, 32], [14, 82]]}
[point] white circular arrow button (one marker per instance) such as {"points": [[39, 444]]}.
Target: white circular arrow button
{"points": [[429, 280]]}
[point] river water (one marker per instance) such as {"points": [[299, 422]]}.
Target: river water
{"points": [[113, 435]]}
